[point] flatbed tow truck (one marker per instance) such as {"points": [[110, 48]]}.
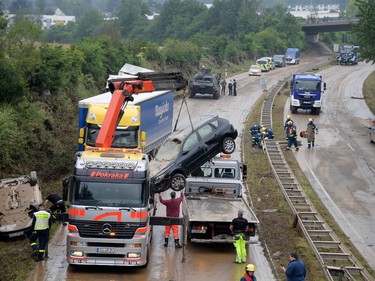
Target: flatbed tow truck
{"points": [[212, 200]]}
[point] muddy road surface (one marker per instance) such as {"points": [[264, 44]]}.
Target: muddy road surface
{"points": [[202, 262], [341, 166]]}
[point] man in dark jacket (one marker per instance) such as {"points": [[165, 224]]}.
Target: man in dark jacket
{"points": [[239, 227], [296, 269]]}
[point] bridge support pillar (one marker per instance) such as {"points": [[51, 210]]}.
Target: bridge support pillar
{"points": [[313, 38]]}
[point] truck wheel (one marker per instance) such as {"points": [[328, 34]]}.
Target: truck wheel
{"points": [[293, 109], [216, 95], [191, 95], [33, 178], [316, 111], [178, 182], [228, 145]]}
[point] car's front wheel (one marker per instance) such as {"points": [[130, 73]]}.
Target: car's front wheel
{"points": [[228, 145], [178, 182]]}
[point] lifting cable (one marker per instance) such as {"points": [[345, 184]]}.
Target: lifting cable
{"points": [[179, 112]]}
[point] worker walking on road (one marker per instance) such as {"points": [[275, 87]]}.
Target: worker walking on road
{"points": [[249, 273], [173, 211], [311, 131], [239, 227], [296, 269], [292, 136], [40, 228]]}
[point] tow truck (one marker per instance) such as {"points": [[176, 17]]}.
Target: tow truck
{"points": [[111, 199], [214, 194]]}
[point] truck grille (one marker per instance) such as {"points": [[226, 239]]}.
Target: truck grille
{"points": [[93, 229]]}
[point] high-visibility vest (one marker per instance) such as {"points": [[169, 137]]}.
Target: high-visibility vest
{"points": [[42, 220]]}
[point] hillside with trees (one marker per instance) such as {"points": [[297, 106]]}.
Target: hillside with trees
{"points": [[46, 72]]}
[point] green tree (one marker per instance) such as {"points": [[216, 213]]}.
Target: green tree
{"points": [[132, 17], [365, 29], [178, 19], [89, 25], [59, 68]]}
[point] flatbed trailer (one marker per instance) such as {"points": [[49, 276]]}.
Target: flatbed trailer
{"points": [[212, 201]]}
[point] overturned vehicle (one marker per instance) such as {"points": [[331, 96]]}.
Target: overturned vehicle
{"points": [[19, 198]]}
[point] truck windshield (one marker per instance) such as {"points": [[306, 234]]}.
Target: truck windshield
{"points": [[108, 194], [290, 54], [124, 137], [307, 86]]}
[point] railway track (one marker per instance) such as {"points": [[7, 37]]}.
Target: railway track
{"points": [[335, 258]]}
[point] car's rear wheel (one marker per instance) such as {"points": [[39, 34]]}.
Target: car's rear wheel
{"points": [[228, 145], [178, 182]]}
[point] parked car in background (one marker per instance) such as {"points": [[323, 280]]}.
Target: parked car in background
{"points": [[279, 60], [270, 62], [189, 147], [255, 70], [263, 64]]}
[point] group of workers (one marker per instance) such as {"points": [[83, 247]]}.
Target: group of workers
{"points": [[291, 133], [296, 269], [259, 133]]}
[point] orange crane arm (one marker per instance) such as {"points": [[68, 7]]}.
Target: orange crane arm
{"points": [[122, 91]]}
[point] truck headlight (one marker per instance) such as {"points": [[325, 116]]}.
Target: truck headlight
{"points": [[76, 253], [134, 255]]}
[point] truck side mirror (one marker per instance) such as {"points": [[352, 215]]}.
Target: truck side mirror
{"points": [[325, 86], [244, 171], [65, 184]]}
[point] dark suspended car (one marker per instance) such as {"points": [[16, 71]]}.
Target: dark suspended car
{"points": [[189, 147]]}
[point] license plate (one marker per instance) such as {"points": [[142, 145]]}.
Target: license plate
{"points": [[14, 234], [198, 231], [105, 250]]}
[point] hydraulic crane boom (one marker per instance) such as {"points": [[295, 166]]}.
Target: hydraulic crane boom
{"points": [[122, 90]]}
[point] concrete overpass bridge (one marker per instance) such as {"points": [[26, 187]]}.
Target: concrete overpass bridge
{"points": [[313, 26]]}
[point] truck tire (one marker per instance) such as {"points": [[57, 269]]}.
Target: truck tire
{"points": [[216, 95], [228, 145], [315, 111], [33, 178], [191, 94], [178, 182], [293, 109]]}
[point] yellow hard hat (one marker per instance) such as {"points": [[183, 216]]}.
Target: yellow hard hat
{"points": [[310, 119], [290, 122], [263, 128], [288, 117], [250, 267]]}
